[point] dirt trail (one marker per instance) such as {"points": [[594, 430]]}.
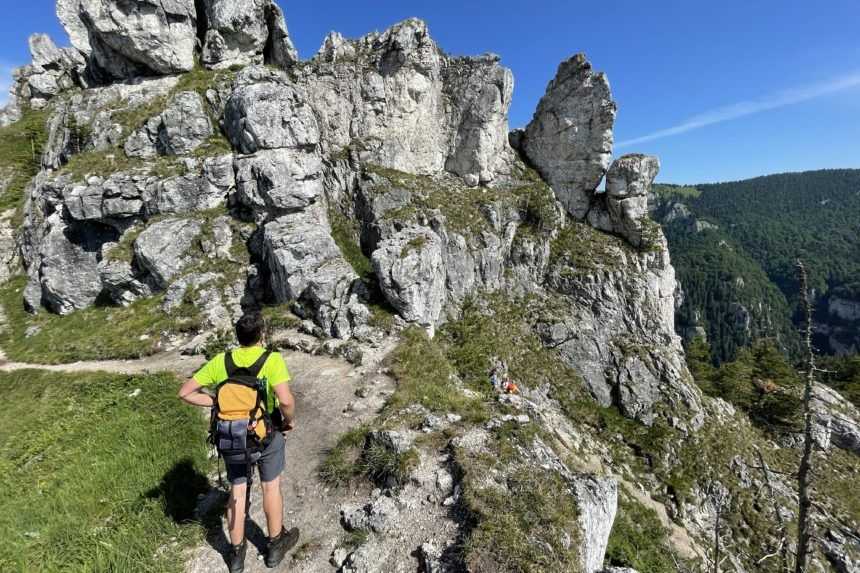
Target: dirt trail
{"points": [[325, 388], [165, 362]]}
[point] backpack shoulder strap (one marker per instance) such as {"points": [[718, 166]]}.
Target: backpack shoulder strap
{"points": [[229, 364], [258, 365]]}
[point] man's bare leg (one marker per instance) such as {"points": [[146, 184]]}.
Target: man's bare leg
{"points": [[273, 506], [236, 513]]}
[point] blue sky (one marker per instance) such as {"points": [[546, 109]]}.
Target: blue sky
{"points": [[764, 86]]}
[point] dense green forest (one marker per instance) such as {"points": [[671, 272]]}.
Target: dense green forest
{"points": [[735, 245]]}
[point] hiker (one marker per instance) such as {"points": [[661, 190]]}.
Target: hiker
{"points": [[249, 436]]}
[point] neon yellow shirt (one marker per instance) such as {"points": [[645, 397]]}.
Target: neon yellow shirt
{"points": [[274, 371]]}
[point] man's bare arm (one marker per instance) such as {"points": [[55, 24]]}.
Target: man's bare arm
{"points": [[192, 393], [287, 405]]}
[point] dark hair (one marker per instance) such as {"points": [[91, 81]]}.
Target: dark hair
{"points": [[249, 329]]}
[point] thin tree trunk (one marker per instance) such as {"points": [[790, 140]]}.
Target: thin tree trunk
{"points": [[717, 541], [782, 550], [804, 521]]}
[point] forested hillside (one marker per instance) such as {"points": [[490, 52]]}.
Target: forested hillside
{"points": [[735, 244]]}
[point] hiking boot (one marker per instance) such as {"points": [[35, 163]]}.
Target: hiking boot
{"points": [[278, 546], [236, 557]]}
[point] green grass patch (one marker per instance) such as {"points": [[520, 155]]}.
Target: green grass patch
{"points": [[344, 231], [383, 465], [465, 208], [21, 146], [639, 540], [198, 80], [424, 376], [530, 526], [92, 479], [352, 457], [499, 327], [103, 163], [341, 463], [96, 333], [580, 248]]}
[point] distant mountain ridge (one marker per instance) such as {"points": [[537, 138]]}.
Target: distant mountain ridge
{"points": [[735, 244]]}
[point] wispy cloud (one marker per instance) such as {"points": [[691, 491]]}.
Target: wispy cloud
{"points": [[773, 101]]}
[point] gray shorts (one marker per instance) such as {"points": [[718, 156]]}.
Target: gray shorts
{"points": [[270, 466]]}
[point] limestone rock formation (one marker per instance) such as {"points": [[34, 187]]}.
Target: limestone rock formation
{"points": [[161, 248], [628, 184], [598, 503], [411, 271], [126, 39], [52, 72], [242, 33], [569, 140], [307, 268], [399, 102], [180, 129], [372, 188]]}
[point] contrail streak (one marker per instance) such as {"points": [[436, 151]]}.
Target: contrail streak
{"points": [[735, 111]]}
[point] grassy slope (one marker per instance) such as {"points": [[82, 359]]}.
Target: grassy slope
{"points": [[97, 333], [20, 152], [92, 479]]}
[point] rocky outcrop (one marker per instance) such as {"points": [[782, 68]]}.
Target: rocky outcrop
{"points": [[179, 130], [411, 270], [569, 141], [597, 503], [52, 71], [837, 421], [122, 40], [243, 33], [628, 184], [161, 248], [397, 101], [308, 269], [69, 275]]}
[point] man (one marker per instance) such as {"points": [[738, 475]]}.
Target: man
{"points": [[249, 332]]}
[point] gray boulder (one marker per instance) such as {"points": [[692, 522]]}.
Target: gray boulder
{"points": [[270, 115], [161, 249], [68, 271], [378, 515], [837, 421], [411, 272], [307, 269], [121, 283], [123, 39], [628, 184], [597, 504], [569, 140], [243, 33], [114, 201], [279, 180], [180, 129], [193, 192]]}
